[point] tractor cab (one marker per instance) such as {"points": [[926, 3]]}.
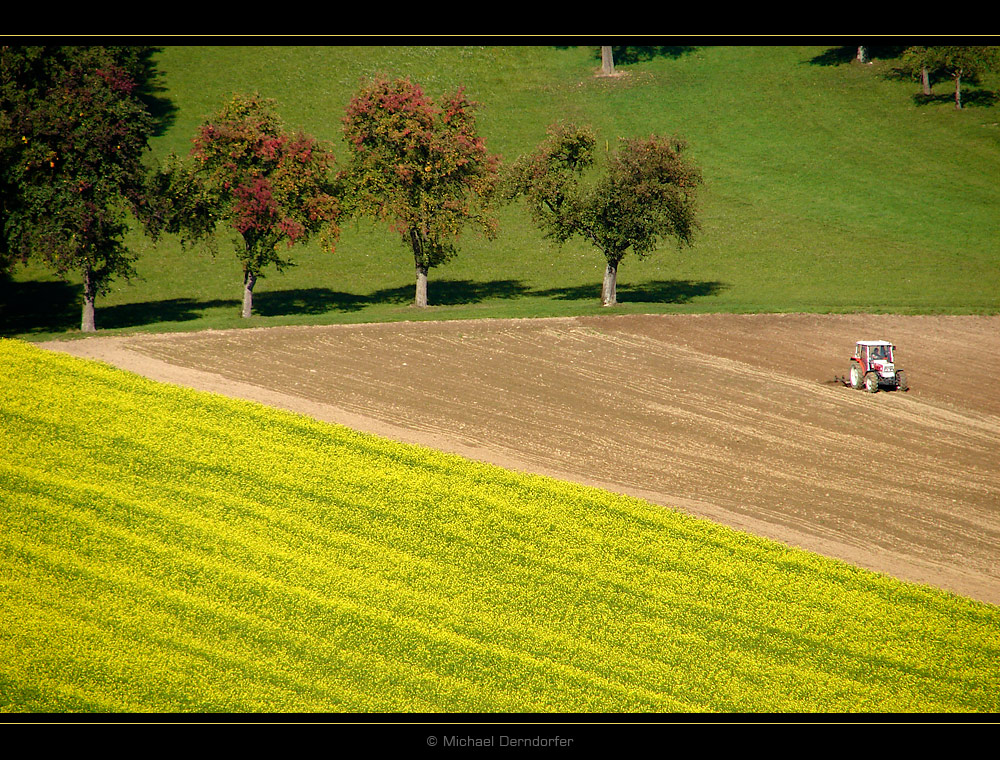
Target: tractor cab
{"points": [[873, 353], [873, 364]]}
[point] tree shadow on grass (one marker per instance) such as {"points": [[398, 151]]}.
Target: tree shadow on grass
{"points": [[280, 303], [444, 292], [843, 54], [154, 312], [628, 54], [151, 92], [38, 306], [42, 306], [455, 292], [654, 291], [970, 98], [452, 292], [671, 291]]}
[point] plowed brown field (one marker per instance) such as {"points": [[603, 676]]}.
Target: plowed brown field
{"points": [[736, 418]]}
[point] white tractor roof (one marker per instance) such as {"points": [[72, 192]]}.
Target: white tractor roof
{"points": [[874, 343]]}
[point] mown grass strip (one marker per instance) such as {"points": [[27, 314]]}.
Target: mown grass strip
{"points": [[166, 550]]}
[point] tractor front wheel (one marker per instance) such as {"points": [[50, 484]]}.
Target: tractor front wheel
{"points": [[871, 382], [901, 383]]}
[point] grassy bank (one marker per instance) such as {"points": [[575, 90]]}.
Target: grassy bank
{"points": [[829, 187]]}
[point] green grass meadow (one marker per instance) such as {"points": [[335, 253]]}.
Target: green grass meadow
{"points": [[830, 187], [164, 550]]}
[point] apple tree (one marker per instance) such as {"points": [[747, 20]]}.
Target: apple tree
{"points": [[272, 187], [645, 193], [73, 132], [419, 165]]}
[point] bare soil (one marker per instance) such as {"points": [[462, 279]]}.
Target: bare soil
{"points": [[740, 419]]}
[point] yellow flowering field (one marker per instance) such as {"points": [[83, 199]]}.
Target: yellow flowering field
{"points": [[167, 550]]}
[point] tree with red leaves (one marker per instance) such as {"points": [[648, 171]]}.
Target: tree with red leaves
{"points": [[419, 165], [273, 187]]}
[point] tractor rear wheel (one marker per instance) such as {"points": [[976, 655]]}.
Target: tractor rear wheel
{"points": [[871, 382], [901, 383], [855, 376]]}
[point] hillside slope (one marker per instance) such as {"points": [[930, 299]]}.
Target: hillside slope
{"points": [[829, 187]]}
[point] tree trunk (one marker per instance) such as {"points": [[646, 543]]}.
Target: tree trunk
{"points": [[420, 296], [862, 54], [417, 244], [249, 280], [609, 290], [607, 60], [87, 323], [925, 79], [958, 91]]}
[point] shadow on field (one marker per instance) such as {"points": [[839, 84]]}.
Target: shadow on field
{"points": [[151, 92], [439, 293], [626, 54], [152, 312], [38, 306], [970, 98], [279, 303], [35, 306], [41, 306], [837, 56], [455, 292], [458, 292], [655, 291]]}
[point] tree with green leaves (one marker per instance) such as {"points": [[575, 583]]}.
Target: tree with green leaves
{"points": [[646, 193], [273, 187], [419, 165], [957, 62], [73, 132], [916, 62]]}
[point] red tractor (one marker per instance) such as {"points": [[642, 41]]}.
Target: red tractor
{"points": [[872, 366]]}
